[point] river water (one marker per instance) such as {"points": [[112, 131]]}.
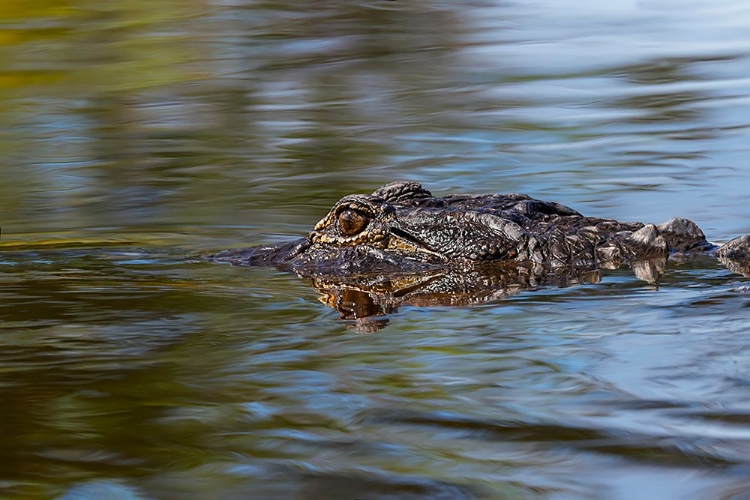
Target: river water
{"points": [[136, 136]]}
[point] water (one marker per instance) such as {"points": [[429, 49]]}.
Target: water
{"points": [[136, 135]]}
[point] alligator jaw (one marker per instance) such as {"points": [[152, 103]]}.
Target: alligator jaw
{"points": [[403, 241]]}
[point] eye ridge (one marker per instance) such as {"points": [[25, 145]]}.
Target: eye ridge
{"points": [[352, 222]]}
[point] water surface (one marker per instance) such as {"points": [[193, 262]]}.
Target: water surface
{"points": [[136, 136]]}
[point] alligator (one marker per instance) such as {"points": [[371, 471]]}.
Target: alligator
{"points": [[403, 228], [402, 245]]}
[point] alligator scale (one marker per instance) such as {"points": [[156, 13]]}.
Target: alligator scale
{"points": [[401, 244]]}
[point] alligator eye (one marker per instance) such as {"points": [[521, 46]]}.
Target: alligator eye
{"points": [[351, 222]]}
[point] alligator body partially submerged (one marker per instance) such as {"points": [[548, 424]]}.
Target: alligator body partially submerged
{"points": [[401, 227], [474, 245]]}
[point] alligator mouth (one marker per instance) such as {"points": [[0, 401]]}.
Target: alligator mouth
{"points": [[404, 242], [403, 252]]}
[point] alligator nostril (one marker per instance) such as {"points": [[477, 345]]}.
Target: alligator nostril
{"points": [[351, 222]]}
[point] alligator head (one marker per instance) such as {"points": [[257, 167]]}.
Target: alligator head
{"points": [[401, 227]]}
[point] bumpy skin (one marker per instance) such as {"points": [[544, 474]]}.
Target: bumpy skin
{"points": [[402, 228]]}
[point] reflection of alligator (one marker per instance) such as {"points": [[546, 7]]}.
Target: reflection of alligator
{"points": [[367, 301], [505, 241]]}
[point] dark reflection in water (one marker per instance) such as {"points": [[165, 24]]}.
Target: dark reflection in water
{"points": [[365, 302], [136, 135]]}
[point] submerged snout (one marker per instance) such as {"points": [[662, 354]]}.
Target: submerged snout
{"points": [[275, 255]]}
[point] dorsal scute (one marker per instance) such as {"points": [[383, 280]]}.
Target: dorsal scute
{"points": [[402, 192], [683, 235]]}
